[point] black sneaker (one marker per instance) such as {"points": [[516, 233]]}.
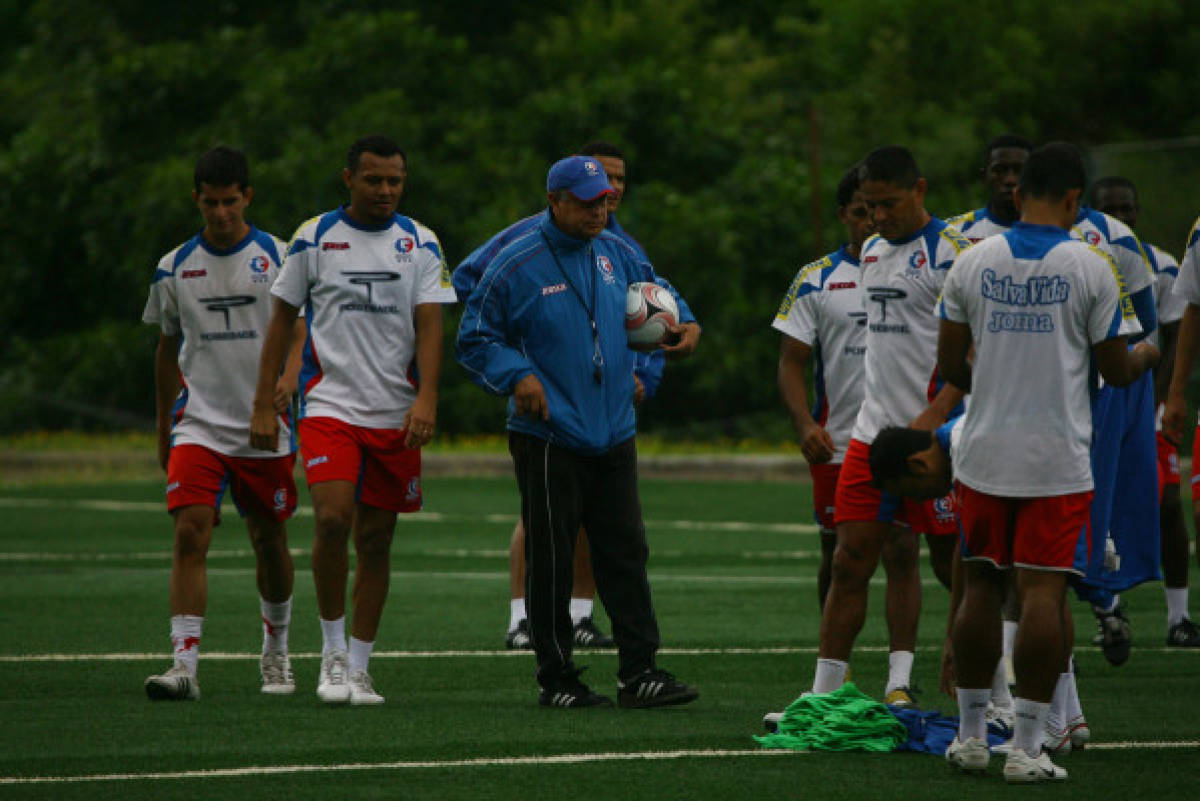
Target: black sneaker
{"points": [[588, 636], [518, 639], [1184, 634], [568, 692], [655, 688], [1114, 637]]}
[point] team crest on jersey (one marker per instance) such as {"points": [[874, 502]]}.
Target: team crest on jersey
{"points": [[606, 269], [259, 266], [918, 260], [404, 248], [1092, 238]]}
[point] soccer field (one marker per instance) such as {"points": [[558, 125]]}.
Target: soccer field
{"points": [[83, 608]]}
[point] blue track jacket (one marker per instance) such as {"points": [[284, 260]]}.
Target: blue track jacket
{"points": [[531, 315]]}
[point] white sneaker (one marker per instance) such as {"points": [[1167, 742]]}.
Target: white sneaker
{"points": [[969, 755], [771, 721], [1002, 716], [332, 687], [276, 670], [177, 684], [1021, 768], [1081, 733], [1057, 742], [362, 692]]}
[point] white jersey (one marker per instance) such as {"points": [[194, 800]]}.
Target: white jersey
{"points": [[978, 225], [219, 302], [823, 308], [1120, 242], [1036, 301], [359, 286], [1166, 271], [1187, 285], [903, 280]]}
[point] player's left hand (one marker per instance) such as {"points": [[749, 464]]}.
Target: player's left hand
{"points": [[284, 389], [420, 422], [683, 338], [639, 390]]}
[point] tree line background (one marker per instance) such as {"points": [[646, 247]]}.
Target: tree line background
{"points": [[733, 118]]}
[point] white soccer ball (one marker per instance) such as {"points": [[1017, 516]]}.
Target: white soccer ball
{"points": [[650, 310]]}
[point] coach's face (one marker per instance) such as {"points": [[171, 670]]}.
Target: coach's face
{"points": [[375, 187], [578, 218], [896, 211]]}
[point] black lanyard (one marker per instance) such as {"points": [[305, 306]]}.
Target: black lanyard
{"points": [[597, 356]]}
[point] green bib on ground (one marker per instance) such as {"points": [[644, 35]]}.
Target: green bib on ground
{"points": [[843, 720]]}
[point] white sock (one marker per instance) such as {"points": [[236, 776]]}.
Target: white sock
{"points": [[580, 608], [1007, 638], [899, 670], [972, 710], [1177, 604], [831, 674], [516, 612], [276, 618], [1056, 718], [185, 640], [1074, 709], [333, 635], [1001, 694], [360, 654], [1030, 727]]}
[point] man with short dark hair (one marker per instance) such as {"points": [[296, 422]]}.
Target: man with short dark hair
{"points": [[1003, 158], [210, 298], [373, 283], [903, 269], [546, 325], [1031, 302], [1117, 197]]}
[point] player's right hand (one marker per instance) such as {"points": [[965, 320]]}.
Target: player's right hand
{"points": [[530, 398], [816, 445], [264, 429], [1174, 419]]}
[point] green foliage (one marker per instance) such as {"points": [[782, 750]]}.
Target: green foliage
{"points": [[714, 105]]}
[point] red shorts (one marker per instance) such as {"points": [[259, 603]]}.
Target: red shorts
{"points": [[387, 475], [824, 479], [197, 476], [1168, 464], [1051, 532], [857, 500]]}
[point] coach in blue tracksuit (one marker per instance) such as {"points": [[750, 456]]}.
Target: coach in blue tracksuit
{"points": [[546, 325]]}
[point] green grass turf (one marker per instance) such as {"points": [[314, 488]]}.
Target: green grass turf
{"points": [[97, 585]]}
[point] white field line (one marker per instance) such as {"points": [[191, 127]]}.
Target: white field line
{"points": [[232, 656], [101, 505], [477, 762]]}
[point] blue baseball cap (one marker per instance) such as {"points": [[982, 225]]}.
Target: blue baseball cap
{"points": [[582, 176]]}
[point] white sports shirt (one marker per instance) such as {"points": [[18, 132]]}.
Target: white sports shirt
{"points": [[359, 286], [902, 281], [1036, 301], [220, 302], [823, 308], [1120, 242], [1166, 271], [1187, 285], [977, 225]]}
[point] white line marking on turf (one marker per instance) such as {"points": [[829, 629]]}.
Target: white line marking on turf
{"points": [[231, 656], [102, 505], [550, 759], [478, 762]]}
